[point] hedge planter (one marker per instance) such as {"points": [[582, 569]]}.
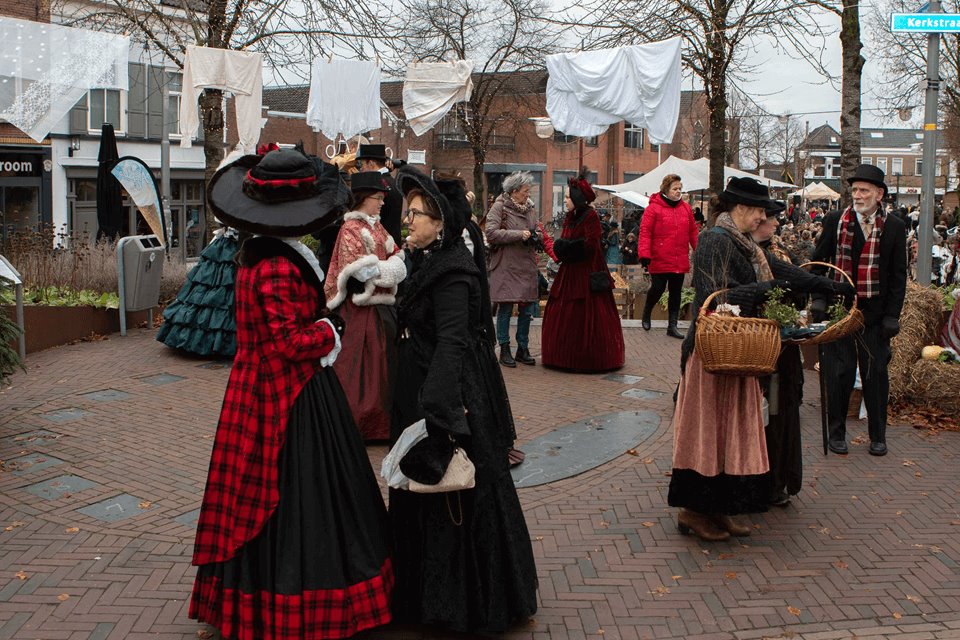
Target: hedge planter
{"points": [[46, 327]]}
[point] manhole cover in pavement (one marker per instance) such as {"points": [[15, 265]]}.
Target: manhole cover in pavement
{"points": [[65, 415], [161, 378], [116, 508], [60, 487], [31, 463], [223, 364], [623, 378], [642, 394], [574, 448], [189, 519], [106, 395], [35, 438]]}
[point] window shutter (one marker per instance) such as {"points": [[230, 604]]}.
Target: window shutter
{"points": [[136, 102], [155, 82], [78, 116]]}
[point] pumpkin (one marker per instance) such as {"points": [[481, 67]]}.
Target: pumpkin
{"points": [[931, 353]]}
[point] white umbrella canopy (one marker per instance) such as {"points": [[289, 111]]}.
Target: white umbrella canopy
{"points": [[819, 191], [695, 175]]}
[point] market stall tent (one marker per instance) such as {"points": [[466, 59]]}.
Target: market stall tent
{"points": [[695, 175]]}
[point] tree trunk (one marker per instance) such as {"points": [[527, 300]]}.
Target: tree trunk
{"points": [[717, 106], [211, 110], [850, 96], [479, 189]]}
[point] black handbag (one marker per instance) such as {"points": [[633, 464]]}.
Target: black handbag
{"points": [[600, 281]]}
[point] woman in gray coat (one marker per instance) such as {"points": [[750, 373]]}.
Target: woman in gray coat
{"points": [[511, 231]]}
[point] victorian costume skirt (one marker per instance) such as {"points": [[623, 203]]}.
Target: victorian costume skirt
{"points": [[367, 365], [320, 567], [201, 319], [720, 463]]}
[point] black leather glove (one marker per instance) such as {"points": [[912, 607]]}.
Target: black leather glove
{"points": [[645, 262], [818, 310], [845, 289], [889, 327], [427, 461]]}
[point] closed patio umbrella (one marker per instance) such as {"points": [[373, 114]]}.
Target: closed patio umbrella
{"points": [[109, 198]]}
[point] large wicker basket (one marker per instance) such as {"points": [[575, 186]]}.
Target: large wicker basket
{"points": [[735, 346], [851, 323]]}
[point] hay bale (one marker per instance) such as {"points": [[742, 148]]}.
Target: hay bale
{"points": [[919, 326], [936, 384]]}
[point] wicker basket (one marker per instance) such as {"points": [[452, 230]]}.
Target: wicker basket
{"points": [[735, 346], [851, 323]]}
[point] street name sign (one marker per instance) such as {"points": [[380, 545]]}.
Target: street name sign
{"points": [[925, 22]]}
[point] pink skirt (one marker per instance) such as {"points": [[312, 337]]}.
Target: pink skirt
{"points": [[720, 462]]}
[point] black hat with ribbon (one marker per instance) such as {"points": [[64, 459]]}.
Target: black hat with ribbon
{"points": [[369, 181], [283, 193]]}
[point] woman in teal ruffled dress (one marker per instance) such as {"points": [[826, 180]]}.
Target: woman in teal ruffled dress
{"points": [[201, 320]]}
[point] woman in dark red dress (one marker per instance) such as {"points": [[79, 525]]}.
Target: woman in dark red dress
{"points": [[581, 326], [291, 540]]}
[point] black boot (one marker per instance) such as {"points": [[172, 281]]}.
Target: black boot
{"points": [[647, 310], [524, 357], [672, 330], [506, 359]]}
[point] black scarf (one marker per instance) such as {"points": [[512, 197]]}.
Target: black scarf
{"points": [[431, 264]]}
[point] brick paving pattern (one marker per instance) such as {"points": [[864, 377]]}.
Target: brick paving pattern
{"points": [[105, 447]]}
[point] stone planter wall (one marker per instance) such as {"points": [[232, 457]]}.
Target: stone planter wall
{"points": [[46, 327]]}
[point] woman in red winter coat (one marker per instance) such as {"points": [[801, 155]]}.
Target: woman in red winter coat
{"points": [[581, 326], [667, 233]]}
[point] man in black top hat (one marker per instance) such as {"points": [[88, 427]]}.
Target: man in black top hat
{"points": [[870, 247], [373, 157]]}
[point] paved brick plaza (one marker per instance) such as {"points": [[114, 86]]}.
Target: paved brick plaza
{"points": [[105, 448]]}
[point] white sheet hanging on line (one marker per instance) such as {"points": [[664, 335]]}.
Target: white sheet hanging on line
{"points": [[46, 68], [432, 88], [344, 97], [589, 91], [240, 72]]}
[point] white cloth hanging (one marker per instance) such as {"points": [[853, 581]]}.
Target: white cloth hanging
{"points": [[432, 88], [589, 91], [240, 72], [344, 97], [46, 68]]}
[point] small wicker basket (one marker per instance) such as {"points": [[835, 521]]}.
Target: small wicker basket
{"points": [[735, 346], [851, 323]]}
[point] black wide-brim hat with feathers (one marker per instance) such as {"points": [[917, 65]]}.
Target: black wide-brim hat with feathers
{"points": [[453, 214], [284, 194]]}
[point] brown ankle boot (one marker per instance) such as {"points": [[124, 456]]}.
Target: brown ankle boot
{"points": [[700, 525], [727, 523]]}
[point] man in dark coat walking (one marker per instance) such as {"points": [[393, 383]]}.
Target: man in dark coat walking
{"points": [[871, 247], [373, 157]]}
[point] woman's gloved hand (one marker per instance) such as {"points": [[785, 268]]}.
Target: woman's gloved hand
{"points": [[427, 461]]}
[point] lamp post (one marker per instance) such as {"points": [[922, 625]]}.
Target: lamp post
{"points": [[896, 196]]}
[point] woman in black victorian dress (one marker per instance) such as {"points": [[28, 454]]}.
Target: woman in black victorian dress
{"points": [[463, 559]]}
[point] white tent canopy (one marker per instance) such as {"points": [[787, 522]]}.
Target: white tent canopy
{"points": [[632, 197], [695, 175], [817, 191]]}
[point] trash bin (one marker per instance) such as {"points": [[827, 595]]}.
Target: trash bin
{"points": [[142, 270]]}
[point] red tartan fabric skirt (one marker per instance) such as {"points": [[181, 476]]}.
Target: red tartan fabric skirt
{"points": [[320, 567], [325, 613]]}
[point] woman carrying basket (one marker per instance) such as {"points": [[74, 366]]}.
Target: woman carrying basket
{"points": [[720, 463]]}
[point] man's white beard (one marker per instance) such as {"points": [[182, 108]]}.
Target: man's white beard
{"points": [[864, 210]]}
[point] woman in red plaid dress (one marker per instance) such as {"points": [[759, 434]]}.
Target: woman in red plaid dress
{"points": [[291, 539]]}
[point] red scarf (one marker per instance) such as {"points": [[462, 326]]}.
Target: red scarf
{"points": [[867, 276]]}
